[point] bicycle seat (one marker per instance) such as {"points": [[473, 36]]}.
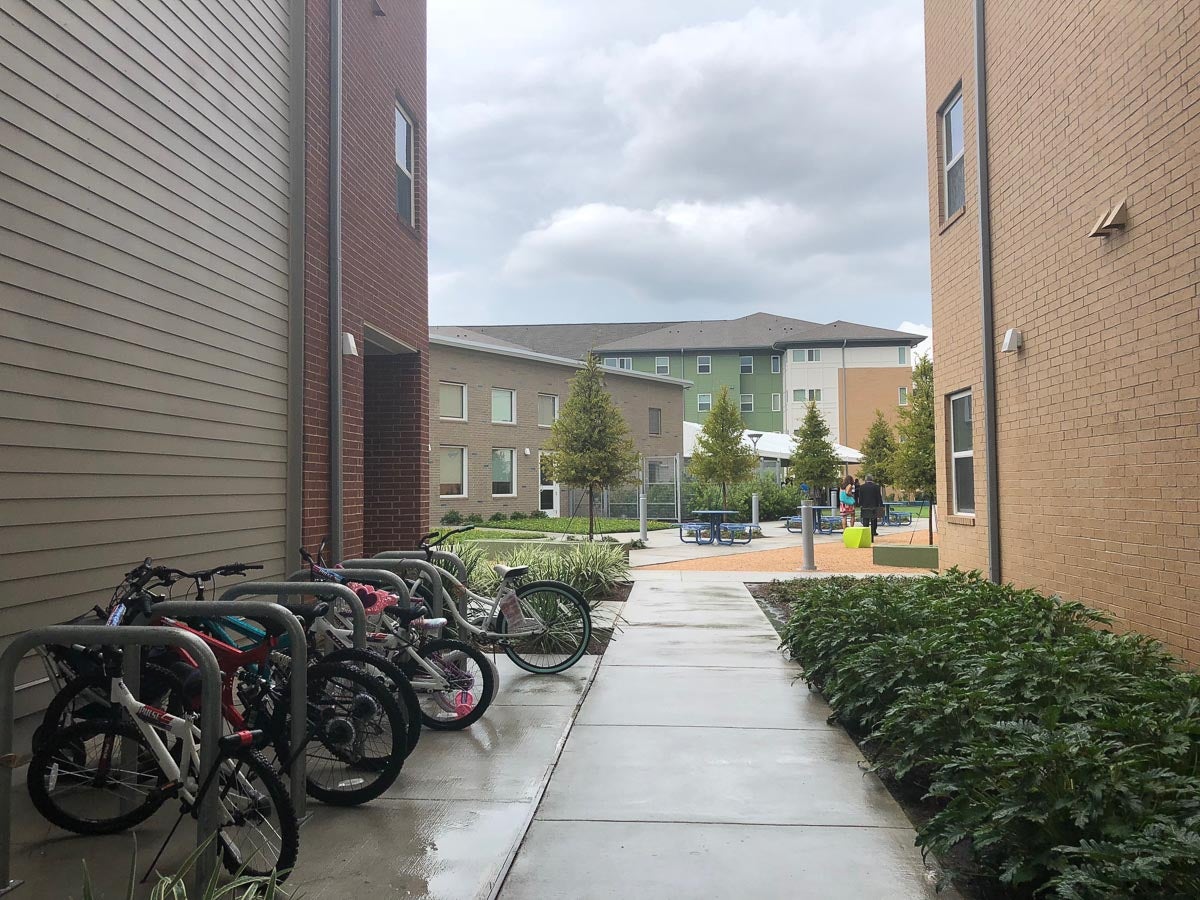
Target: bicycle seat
{"points": [[306, 612], [506, 572], [407, 616]]}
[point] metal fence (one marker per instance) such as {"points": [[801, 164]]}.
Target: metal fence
{"points": [[661, 481]]}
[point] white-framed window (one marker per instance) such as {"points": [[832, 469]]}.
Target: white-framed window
{"points": [[406, 206], [904, 396], [655, 420], [746, 365], [662, 365], [452, 401], [504, 484], [452, 478], [804, 395], [747, 402], [703, 365], [619, 362], [776, 402], [547, 409], [703, 402], [950, 129], [902, 356], [962, 453], [504, 406], [799, 356], [775, 365]]}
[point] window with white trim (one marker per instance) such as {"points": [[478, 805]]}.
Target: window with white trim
{"points": [[504, 406], [703, 365], [746, 365], [747, 402], [452, 479], [950, 129], [703, 402], [776, 402], [619, 362], [962, 454], [904, 396], [903, 356], [799, 356], [547, 409], [806, 395], [775, 365], [503, 482], [452, 401], [405, 182], [662, 365]]}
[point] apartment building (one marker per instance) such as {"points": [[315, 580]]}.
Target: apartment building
{"points": [[1069, 424], [772, 365], [492, 404]]}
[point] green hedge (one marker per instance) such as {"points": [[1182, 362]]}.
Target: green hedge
{"points": [[579, 525], [1062, 758], [593, 569]]}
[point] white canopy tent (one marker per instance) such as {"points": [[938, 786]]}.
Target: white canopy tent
{"points": [[772, 445]]}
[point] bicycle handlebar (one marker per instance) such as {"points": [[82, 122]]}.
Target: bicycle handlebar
{"points": [[143, 574], [425, 545]]}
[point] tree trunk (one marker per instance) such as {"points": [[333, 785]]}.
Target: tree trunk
{"points": [[591, 512], [723, 496]]}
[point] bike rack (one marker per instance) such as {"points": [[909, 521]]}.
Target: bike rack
{"points": [[373, 577], [460, 568], [324, 589], [208, 815], [262, 611], [428, 573]]}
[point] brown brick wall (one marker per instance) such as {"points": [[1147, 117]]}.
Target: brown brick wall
{"points": [[1099, 415], [483, 371], [865, 390], [385, 278]]}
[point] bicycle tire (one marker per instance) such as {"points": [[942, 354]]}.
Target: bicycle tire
{"points": [[288, 832], [331, 735], [69, 749], [569, 606], [487, 687], [395, 679]]}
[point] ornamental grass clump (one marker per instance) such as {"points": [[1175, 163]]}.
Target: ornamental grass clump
{"points": [[1060, 758], [593, 569]]}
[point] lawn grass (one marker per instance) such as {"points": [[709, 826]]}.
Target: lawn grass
{"points": [[494, 534], [578, 525]]}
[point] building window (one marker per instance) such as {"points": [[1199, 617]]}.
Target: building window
{"points": [[747, 365], [453, 400], [547, 409], [805, 395], [662, 365], [775, 365], [954, 190], [747, 402], [799, 356], [703, 402], [504, 406], [776, 402], [503, 484], [962, 453], [904, 396], [903, 356], [703, 365], [452, 481], [405, 194], [619, 362], [655, 420]]}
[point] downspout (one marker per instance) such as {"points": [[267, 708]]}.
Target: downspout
{"points": [[844, 401], [297, 295], [335, 278], [985, 293]]}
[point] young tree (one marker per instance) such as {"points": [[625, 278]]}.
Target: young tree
{"points": [[589, 444], [878, 448], [914, 466], [719, 456], [814, 461]]}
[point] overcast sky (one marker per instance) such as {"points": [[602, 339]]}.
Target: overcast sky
{"points": [[630, 160]]}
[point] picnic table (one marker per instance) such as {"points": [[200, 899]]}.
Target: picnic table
{"points": [[891, 516], [714, 526], [825, 520]]}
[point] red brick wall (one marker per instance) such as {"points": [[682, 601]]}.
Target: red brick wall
{"points": [[384, 272]]}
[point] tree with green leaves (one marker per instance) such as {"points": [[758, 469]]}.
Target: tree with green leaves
{"points": [[914, 465], [878, 448], [589, 445], [814, 460], [720, 455]]}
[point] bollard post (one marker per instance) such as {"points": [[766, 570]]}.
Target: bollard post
{"points": [[754, 510], [806, 511], [642, 516]]}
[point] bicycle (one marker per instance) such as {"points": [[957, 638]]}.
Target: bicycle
{"points": [[76, 778]]}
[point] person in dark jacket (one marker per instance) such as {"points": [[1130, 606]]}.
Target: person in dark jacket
{"points": [[870, 502]]}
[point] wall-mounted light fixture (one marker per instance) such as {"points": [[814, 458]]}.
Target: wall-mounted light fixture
{"points": [[1013, 341], [349, 348], [377, 8], [1112, 221]]}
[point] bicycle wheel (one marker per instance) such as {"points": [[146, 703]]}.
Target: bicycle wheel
{"points": [[565, 637], [259, 832], [79, 781], [379, 666], [471, 685], [356, 734]]}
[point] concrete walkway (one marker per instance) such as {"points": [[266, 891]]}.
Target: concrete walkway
{"points": [[699, 768]]}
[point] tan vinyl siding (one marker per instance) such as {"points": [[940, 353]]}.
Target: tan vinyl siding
{"points": [[144, 240]]}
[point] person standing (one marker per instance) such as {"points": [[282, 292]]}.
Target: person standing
{"points": [[870, 502], [846, 502]]}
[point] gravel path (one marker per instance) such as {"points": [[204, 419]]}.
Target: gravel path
{"points": [[830, 557]]}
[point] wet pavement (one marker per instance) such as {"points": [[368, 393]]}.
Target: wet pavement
{"points": [[699, 767]]}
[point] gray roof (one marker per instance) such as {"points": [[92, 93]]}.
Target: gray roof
{"points": [[851, 331], [473, 335], [754, 330], [573, 341]]}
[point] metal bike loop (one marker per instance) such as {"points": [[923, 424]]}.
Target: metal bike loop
{"points": [[373, 577], [428, 572], [326, 589], [460, 568], [208, 815], [266, 611]]}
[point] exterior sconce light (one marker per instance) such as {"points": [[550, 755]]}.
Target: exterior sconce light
{"points": [[1013, 341], [349, 348], [1112, 221]]}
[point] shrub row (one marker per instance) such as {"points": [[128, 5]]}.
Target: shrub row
{"points": [[593, 569], [1063, 759]]}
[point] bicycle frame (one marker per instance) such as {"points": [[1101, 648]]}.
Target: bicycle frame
{"points": [[149, 721]]}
